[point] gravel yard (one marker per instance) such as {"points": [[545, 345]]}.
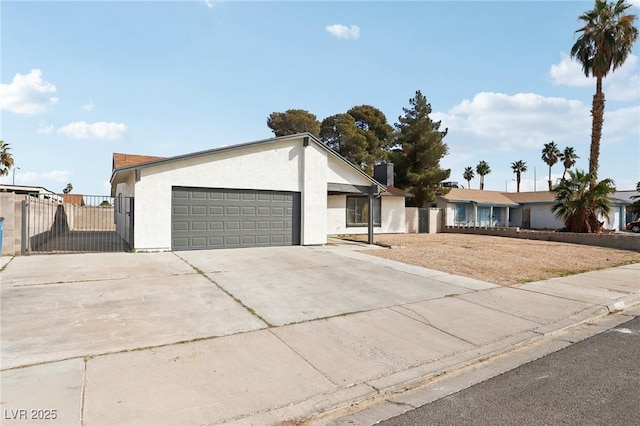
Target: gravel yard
{"points": [[498, 260]]}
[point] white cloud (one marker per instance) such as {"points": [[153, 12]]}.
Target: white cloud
{"points": [[99, 130], [342, 31], [569, 73], [88, 107], [42, 178], [621, 125], [213, 3], [509, 122], [501, 128], [44, 129], [622, 84], [635, 3], [27, 94]]}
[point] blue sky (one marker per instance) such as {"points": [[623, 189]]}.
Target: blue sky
{"points": [[81, 80]]}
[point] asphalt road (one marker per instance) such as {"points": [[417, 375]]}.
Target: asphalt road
{"points": [[593, 382]]}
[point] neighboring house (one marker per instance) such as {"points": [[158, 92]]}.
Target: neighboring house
{"points": [[472, 207], [75, 199], [624, 199], [531, 210], [39, 192], [282, 191], [534, 211]]}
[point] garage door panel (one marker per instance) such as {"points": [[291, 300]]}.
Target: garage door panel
{"points": [[216, 226], [232, 211], [198, 242], [180, 194], [198, 226], [180, 210], [216, 242], [205, 218], [180, 226], [199, 210], [232, 226]]}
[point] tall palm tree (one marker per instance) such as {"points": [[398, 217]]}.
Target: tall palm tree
{"points": [[6, 159], [568, 158], [579, 201], [482, 169], [518, 168], [550, 155], [603, 46], [468, 175]]}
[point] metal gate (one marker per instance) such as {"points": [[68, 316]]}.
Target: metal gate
{"points": [[423, 221], [73, 223]]}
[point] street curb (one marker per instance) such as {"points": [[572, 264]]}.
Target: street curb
{"points": [[371, 395], [624, 303]]}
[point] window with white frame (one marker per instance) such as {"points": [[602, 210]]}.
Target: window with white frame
{"points": [[358, 211], [461, 214]]}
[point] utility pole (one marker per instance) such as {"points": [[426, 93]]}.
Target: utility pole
{"points": [[14, 175]]}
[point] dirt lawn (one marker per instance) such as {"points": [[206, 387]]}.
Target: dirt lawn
{"points": [[497, 260]]}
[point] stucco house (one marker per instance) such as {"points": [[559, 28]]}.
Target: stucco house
{"points": [[531, 210], [472, 207], [281, 191], [534, 211]]}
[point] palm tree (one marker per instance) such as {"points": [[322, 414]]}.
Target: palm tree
{"points": [[568, 158], [518, 168], [635, 206], [550, 155], [580, 201], [603, 46], [6, 159], [482, 169], [468, 175]]}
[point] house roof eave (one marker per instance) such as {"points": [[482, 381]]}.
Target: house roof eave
{"points": [[311, 137]]}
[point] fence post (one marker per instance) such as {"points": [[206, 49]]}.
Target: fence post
{"points": [[25, 230]]}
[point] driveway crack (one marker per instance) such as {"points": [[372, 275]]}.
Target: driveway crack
{"points": [[305, 359], [225, 291]]}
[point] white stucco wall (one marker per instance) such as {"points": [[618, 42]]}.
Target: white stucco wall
{"points": [[543, 218], [613, 220], [313, 177], [412, 220], [122, 207], [393, 219], [339, 172]]}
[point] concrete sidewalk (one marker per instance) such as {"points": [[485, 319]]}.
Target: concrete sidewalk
{"points": [[289, 361]]}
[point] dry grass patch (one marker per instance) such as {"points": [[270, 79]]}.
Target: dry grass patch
{"points": [[498, 260]]}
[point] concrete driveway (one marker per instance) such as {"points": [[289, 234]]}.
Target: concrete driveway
{"points": [[229, 336], [64, 306]]}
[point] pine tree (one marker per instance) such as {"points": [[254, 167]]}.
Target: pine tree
{"points": [[420, 148]]}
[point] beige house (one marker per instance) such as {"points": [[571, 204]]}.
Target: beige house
{"points": [[472, 207], [529, 210]]}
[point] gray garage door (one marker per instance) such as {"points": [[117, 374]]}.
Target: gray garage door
{"points": [[210, 218]]}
